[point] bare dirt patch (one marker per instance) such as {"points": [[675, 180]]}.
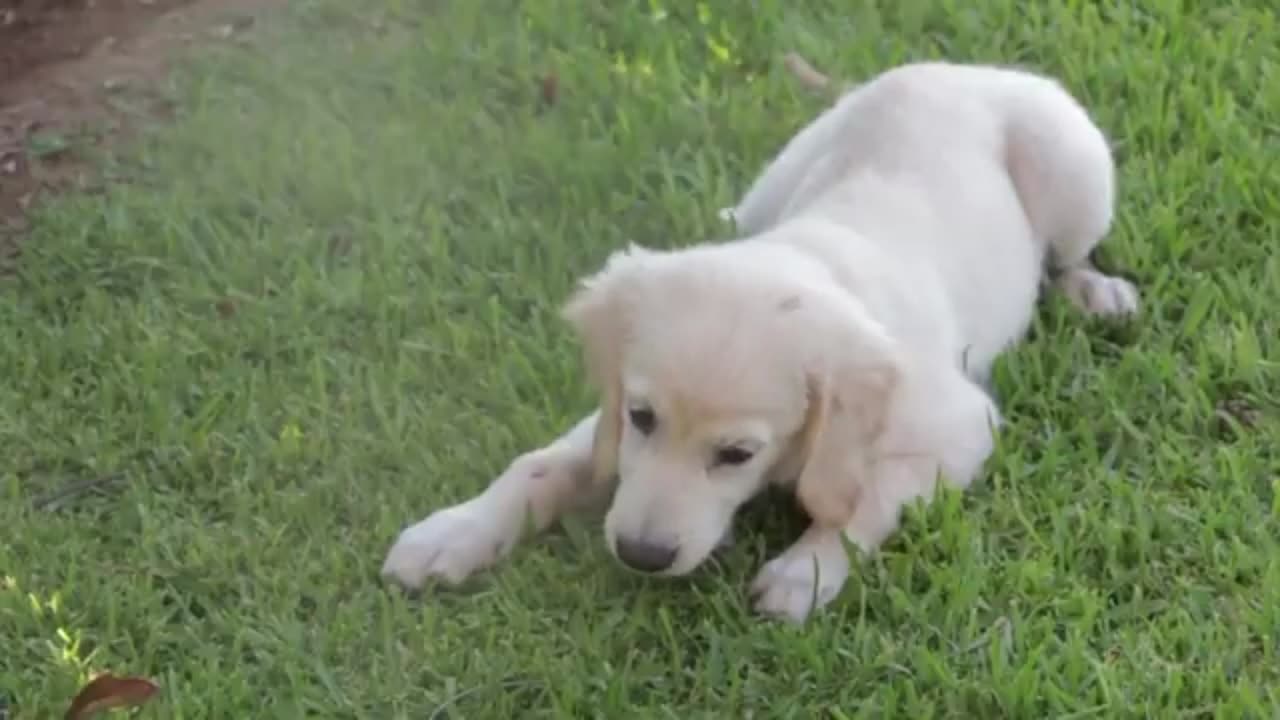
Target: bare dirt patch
{"points": [[66, 67]]}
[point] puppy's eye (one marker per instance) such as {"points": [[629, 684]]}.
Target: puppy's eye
{"points": [[733, 456], [643, 420]]}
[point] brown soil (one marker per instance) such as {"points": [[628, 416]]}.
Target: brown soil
{"points": [[65, 68]]}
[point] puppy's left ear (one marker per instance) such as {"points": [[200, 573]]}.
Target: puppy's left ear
{"points": [[852, 373], [598, 313], [861, 388]]}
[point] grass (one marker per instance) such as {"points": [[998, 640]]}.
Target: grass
{"points": [[323, 303]]}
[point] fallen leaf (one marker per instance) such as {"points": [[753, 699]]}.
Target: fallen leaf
{"points": [[340, 244], [54, 500], [242, 23], [550, 89], [108, 691], [42, 145], [1244, 413], [807, 74]]}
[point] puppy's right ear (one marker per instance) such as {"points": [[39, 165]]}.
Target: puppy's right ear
{"points": [[599, 314]]}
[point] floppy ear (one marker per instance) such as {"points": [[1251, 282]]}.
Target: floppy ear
{"points": [[598, 313], [852, 372]]}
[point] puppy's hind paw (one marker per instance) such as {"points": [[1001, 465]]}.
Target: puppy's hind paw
{"points": [[1099, 294]]}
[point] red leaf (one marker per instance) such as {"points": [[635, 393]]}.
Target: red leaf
{"points": [[550, 89], [108, 691]]}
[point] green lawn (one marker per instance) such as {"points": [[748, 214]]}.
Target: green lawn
{"points": [[324, 302]]}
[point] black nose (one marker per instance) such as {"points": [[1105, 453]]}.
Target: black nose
{"points": [[645, 556]]}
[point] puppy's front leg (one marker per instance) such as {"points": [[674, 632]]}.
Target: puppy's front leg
{"points": [[537, 488], [810, 574], [805, 577]]}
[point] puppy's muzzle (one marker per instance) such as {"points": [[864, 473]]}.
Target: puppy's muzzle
{"points": [[645, 556]]}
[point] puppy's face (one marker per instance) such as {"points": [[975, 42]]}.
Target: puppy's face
{"points": [[706, 363], [699, 431]]}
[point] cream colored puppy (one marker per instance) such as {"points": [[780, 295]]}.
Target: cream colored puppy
{"points": [[892, 250]]}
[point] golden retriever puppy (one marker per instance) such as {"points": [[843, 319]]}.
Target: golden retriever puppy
{"points": [[890, 252]]}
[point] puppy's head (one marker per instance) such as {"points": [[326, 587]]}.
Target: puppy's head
{"points": [[721, 368]]}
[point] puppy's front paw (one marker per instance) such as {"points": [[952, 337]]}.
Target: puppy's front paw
{"points": [[804, 578], [449, 546], [1099, 294]]}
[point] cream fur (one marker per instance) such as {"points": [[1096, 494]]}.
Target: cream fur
{"points": [[890, 253]]}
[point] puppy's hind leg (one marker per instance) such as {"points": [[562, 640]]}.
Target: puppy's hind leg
{"points": [[1097, 293], [1065, 177]]}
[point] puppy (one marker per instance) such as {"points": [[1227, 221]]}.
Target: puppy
{"points": [[889, 253]]}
